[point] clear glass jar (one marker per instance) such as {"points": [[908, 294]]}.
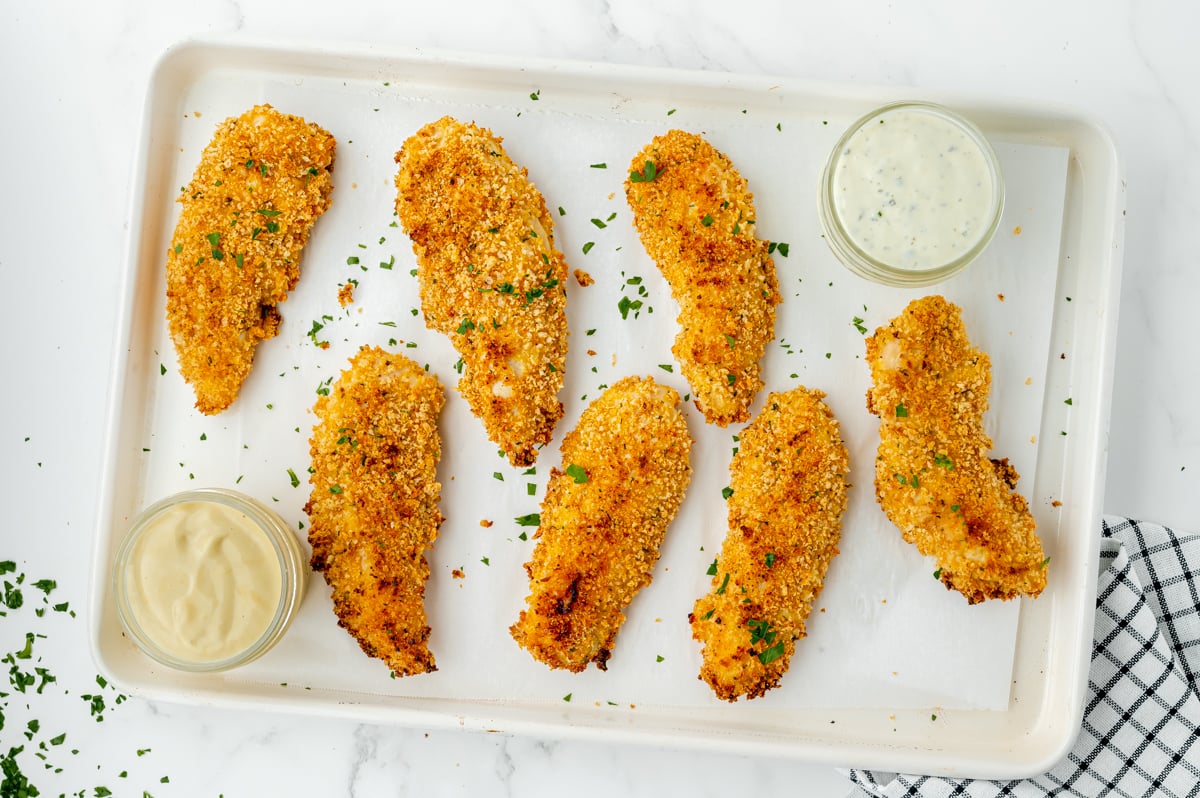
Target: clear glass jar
{"points": [[207, 580], [911, 193]]}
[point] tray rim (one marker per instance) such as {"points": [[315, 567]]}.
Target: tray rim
{"points": [[1036, 755]]}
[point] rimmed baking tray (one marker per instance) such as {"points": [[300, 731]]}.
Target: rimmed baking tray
{"points": [[896, 674]]}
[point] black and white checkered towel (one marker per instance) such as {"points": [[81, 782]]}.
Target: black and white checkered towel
{"points": [[1141, 724]]}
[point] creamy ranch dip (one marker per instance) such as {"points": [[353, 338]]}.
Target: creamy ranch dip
{"points": [[913, 189], [203, 581]]}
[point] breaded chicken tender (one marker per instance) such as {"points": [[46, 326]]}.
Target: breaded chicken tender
{"points": [[625, 469], [261, 184], [933, 476], [374, 505], [788, 483], [695, 215], [490, 277]]}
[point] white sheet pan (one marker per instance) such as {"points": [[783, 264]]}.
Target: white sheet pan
{"points": [[896, 674]]}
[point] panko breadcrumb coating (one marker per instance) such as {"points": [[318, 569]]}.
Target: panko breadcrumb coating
{"points": [[490, 277], [933, 475], [788, 482], [261, 184], [625, 469], [374, 505], [695, 215]]}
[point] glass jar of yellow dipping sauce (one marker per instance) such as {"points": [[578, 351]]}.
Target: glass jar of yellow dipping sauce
{"points": [[207, 580]]}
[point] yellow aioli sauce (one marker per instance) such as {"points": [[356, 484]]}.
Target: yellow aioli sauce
{"points": [[203, 581]]}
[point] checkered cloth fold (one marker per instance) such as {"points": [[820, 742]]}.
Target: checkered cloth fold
{"points": [[1140, 725]]}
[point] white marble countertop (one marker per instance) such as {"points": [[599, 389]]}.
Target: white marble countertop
{"points": [[72, 75]]}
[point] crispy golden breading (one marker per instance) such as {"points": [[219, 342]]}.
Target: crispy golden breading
{"points": [[490, 277], [261, 184], [933, 476], [625, 469], [696, 220], [374, 504], [785, 520]]}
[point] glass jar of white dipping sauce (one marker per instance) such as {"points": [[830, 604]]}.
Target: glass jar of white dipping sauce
{"points": [[911, 194], [207, 580]]}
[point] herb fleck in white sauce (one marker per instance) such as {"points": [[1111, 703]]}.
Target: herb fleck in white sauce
{"points": [[913, 189]]}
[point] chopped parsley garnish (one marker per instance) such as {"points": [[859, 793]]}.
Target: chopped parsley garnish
{"points": [[858, 325], [901, 411], [761, 632], [647, 175], [335, 489], [599, 166], [587, 247], [667, 367], [532, 519], [724, 584], [707, 220], [769, 655], [726, 492], [943, 461], [576, 473], [729, 339], [295, 480], [466, 325], [937, 574], [712, 568], [770, 559], [626, 304], [600, 224]]}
